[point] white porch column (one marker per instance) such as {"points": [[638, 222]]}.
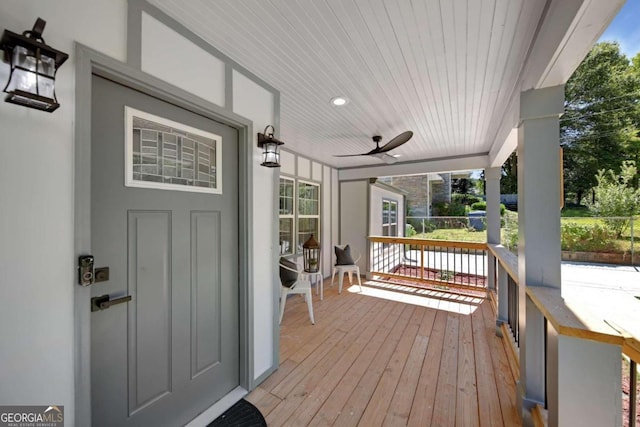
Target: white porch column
{"points": [[538, 227], [582, 377], [492, 182]]}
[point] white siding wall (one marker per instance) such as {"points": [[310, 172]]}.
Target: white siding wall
{"points": [[37, 268], [375, 215], [326, 176], [327, 219], [189, 67], [353, 218], [335, 211], [257, 104]]}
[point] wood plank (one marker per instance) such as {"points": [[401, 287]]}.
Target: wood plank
{"points": [[374, 361], [505, 382], [467, 396], [314, 400], [280, 374], [308, 379], [510, 348], [332, 407], [424, 399], [296, 329], [571, 319], [489, 411], [400, 407], [444, 413], [323, 328], [305, 367], [359, 399], [375, 412], [428, 242], [508, 260], [263, 400], [539, 416]]}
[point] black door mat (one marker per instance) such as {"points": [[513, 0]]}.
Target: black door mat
{"points": [[242, 414]]}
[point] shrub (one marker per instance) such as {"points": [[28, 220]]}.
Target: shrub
{"points": [[586, 238], [409, 231], [449, 209], [482, 206], [465, 199], [421, 225], [616, 197], [510, 231]]}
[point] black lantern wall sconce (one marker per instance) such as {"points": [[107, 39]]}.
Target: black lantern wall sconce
{"points": [[33, 68], [311, 255], [270, 148]]}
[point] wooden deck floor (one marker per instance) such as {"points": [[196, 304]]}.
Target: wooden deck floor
{"points": [[371, 360]]}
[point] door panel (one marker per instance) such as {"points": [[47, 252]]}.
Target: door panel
{"points": [[149, 324], [205, 323], [173, 350]]}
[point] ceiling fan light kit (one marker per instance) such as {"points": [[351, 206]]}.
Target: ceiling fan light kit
{"points": [[339, 101]]}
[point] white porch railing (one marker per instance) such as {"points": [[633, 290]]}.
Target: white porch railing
{"points": [[564, 321], [436, 262]]}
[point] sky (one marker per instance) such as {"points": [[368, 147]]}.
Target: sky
{"points": [[625, 29]]}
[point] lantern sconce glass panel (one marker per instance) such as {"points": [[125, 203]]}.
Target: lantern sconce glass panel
{"points": [[311, 255], [270, 148], [33, 68]]}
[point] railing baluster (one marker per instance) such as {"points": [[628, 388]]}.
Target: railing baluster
{"points": [[441, 263], [633, 392], [422, 262]]}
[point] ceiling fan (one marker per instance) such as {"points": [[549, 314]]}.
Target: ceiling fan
{"points": [[381, 152]]}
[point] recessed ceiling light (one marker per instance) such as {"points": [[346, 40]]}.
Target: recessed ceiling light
{"points": [[397, 155], [339, 101]]}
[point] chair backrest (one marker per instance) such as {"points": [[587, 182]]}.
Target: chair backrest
{"points": [[288, 272], [340, 260]]}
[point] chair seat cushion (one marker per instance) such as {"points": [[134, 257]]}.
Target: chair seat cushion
{"points": [[288, 277], [343, 255]]}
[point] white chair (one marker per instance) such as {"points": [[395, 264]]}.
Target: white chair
{"points": [[341, 269], [301, 285]]}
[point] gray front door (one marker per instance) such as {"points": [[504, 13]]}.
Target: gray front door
{"points": [[173, 350]]}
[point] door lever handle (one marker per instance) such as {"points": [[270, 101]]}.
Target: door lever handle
{"points": [[104, 301]]}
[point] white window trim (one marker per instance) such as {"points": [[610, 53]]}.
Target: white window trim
{"points": [[298, 245], [291, 216], [389, 224]]}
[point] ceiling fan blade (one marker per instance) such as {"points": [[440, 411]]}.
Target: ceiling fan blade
{"points": [[396, 142], [350, 155]]}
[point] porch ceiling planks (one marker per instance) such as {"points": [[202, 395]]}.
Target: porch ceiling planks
{"points": [[372, 361], [445, 69]]}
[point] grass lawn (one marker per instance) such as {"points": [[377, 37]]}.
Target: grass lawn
{"points": [[579, 215], [456, 235], [463, 235], [578, 211]]}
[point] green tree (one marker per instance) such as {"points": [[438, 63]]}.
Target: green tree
{"points": [[509, 180], [600, 120], [461, 185], [615, 196]]}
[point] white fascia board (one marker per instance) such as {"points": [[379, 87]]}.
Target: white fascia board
{"points": [[504, 144], [568, 31], [501, 152], [452, 164]]}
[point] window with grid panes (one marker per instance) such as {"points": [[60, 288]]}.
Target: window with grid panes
{"points": [[287, 216], [308, 210], [389, 218]]}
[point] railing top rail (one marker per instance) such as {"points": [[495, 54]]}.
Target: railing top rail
{"points": [[562, 316], [428, 242], [508, 260], [631, 345]]}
